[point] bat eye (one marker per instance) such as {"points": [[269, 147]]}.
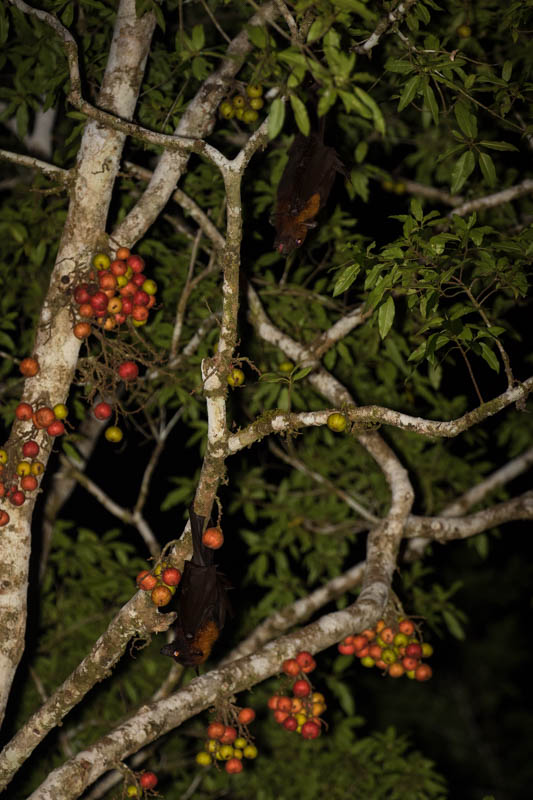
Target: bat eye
{"points": [[298, 242], [176, 653]]}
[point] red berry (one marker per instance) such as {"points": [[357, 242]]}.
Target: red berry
{"points": [[86, 310], [148, 780], [407, 627], [43, 417], [396, 670], [229, 735], [290, 723], [409, 663], [213, 538], [99, 301], [140, 313], [24, 411], [246, 715], [128, 370], [423, 672], [107, 281], [284, 704], [102, 410], [171, 576], [81, 294], [291, 667], [29, 483], [414, 650], [273, 702], [56, 428], [215, 730], [82, 330], [17, 498], [161, 596], [138, 279], [363, 652], [123, 253], [360, 641], [136, 263], [387, 634], [118, 267], [29, 367], [4, 518], [310, 730], [280, 716], [127, 305], [346, 649], [301, 688], [140, 298], [146, 581], [234, 766]]}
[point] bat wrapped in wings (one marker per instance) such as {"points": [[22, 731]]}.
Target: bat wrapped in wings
{"points": [[202, 603], [303, 189]]}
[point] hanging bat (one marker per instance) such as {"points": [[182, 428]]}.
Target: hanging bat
{"points": [[303, 189], [202, 603]]}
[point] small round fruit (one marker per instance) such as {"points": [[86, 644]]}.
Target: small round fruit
{"points": [[388, 656], [226, 110], [280, 716], [113, 434], [101, 261], [86, 310], [56, 428], [81, 294], [250, 751], [23, 468], [107, 281], [17, 498], [236, 377], [122, 253], [102, 410], [414, 650], [149, 286], [131, 790], [369, 633], [30, 449], [234, 766], [363, 652], [37, 468], [346, 649], [396, 670], [407, 627], [423, 672], [24, 412], [337, 422], [286, 367], [254, 90], [171, 576], [464, 31], [138, 279], [4, 518], [306, 661], [301, 688], [291, 667], [61, 411], [239, 113], [161, 596], [375, 652], [250, 116], [246, 715], [148, 780], [43, 417], [215, 730], [3, 456], [140, 314], [29, 367], [136, 263], [238, 101], [257, 103], [229, 735], [367, 662], [291, 723], [360, 641], [115, 305], [203, 759], [272, 702], [427, 650], [128, 370], [99, 301], [409, 663], [310, 730], [284, 704], [213, 538], [146, 581], [401, 640], [141, 298], [118, 268]]}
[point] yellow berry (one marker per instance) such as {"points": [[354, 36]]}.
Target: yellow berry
{"points": [[256, 103], [23, 468], [250, 116], [238, 101], [226, 110], [61, 411], [113, 434], [240, 742], [254, 90], [101, 261], [3, 456], [203, 758], [250, 751], [236, 377], [337, 422], [37, 468]]}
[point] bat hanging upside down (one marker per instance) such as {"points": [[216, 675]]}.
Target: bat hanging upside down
{"points": [[202, 603], [303, 189]]}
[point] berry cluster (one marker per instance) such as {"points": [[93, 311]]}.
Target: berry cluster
{"points": [[301, 712], [161, 582], [19, 468], [146, 782], [117, 290], [244, 106], [229, 743], [396, 649]]}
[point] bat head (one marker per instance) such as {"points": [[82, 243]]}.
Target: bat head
{"points": [[183, 651], [289, 239]]}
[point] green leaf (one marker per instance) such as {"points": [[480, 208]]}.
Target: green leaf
{"points": [[318, 28], [416, 209], [300, 114], [302, 373], [276, 117], [369, 102], [462, 170], [489, 356], [498, 145], [409, 92], [386, 316], [396, 65], [326, 100], [467, 121], [22, 120], [507, 70], [360, 152], [431, 102], [258, 35], [346, 278], [487, 168], [453, 625]]}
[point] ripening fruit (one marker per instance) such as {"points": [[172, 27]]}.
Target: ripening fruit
{"points": [[37, 468], [149, 286], [366, 661], [24, 411], [81, 330], [233, 766], [407, 627], [148, 780], [56, 428], [29, 483], [306, 661], [238, 101], [43, 417], [464, 31], [246, 715], [396, 670], [286, 367], [17, 498], [3, 456], [61, 411], [290, 667], [291, 723], [414, 650], [4, 518], [346, 649], [257, 103], [102, 410], [226, 110], [250, 116], [250, 751], [146, 581], [427, 650], [272, 702], [215, 730], [213, 538], [113, 434], [136, 263], [171, 576], [122, 253], [360, 641], [388, 656], [203, 759], [254, 90], [400, 640], [131, 790], [387, 634], [236, 377], [310, 730], [23, 468], [423, 672], [128, 370], [29, 367], [229, 735], [280, 716], [284, 704], [337, 422], [161, 596], [101, 261], [301, 688]]}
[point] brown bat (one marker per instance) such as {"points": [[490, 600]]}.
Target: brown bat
{"points": [[303, 189], [202, 603]]}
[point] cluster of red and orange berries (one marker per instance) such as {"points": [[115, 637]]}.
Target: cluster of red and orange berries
{"points": [[301, 711], [116, 290], [161, 582], [244, 106], [20, 474], [229, 743], [147, 781], [127, 371], [396, 649]]}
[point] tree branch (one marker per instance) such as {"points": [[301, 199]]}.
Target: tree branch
{"points": [[50, 170]]}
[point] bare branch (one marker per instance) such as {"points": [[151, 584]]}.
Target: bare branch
{"points": [[383, 26], [50, 170], [496, 199]]}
